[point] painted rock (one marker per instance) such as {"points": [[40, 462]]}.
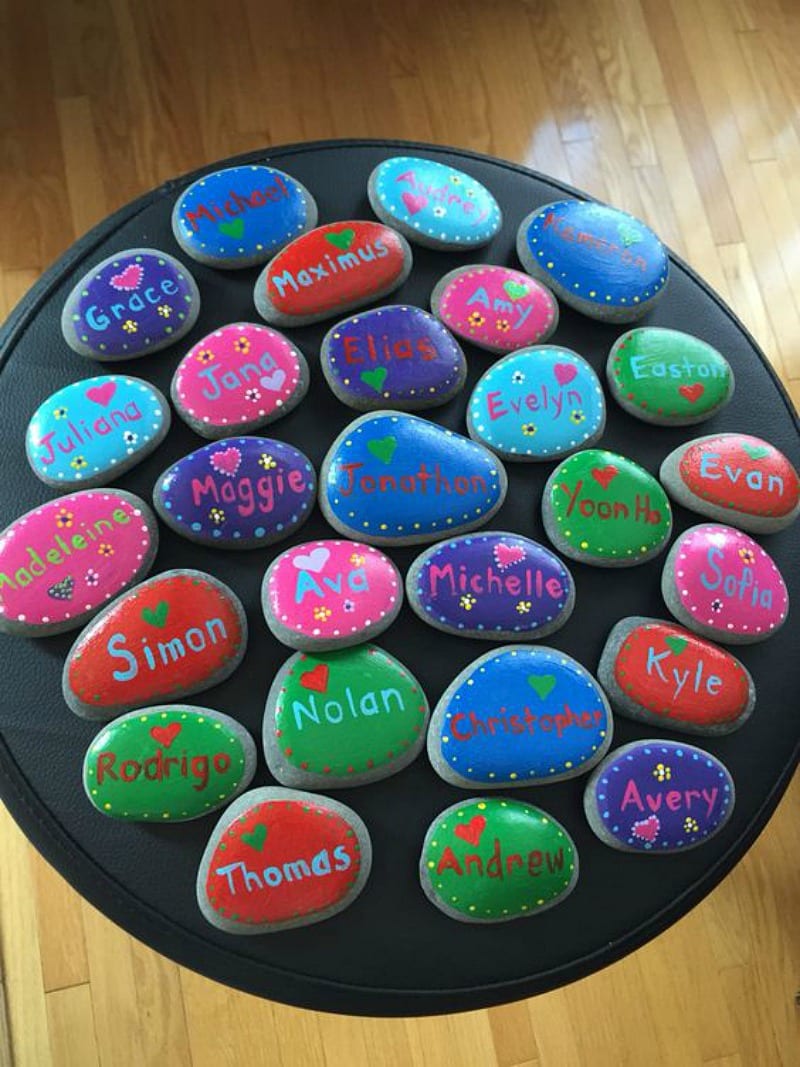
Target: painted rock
{"points": [[602, 508], [734, 477], [339, 719], [661, 674], [399, 357], [720, 583], [131, 304], [239, 378], [168, 764], [602, 261], [432, 204], [493, 586], [332, 269], [487, 860], [241, 215], [91, 432], [61, 562], [495, 308], [243, 492], [176, 634], [520, 715], [330, 594], [537, 404], [399, 479], [279, 858], [667, 377], [658, 796]]}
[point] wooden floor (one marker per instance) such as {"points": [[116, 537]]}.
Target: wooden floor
{"points": [[685, 112]]}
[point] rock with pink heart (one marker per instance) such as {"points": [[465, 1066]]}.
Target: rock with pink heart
{"points": [[168, 763], [243, 492], [492, 586], [237, 379], [433, 204], [330, 594], [91, 432], [537, 405], [132, 303], [658, 796]]}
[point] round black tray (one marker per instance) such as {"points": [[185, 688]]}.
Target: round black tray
{"points": [[391, 953]]}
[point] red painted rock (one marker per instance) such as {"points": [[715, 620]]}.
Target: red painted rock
{"points": [[176, 634]]}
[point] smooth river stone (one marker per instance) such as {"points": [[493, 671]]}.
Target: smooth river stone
{"points": [[601, 261], [399, 479], [667, 377], [658, 796], [399, 357], [340, 719], [133, 303], [61, 562], [243, 492], [281, 858], [656, 672], [520, 715], [493, 586], [91, 432], [239, 378], [722, 584], [174, 635], [169, 763], [241, 216], [733, 477], [496, 308], [330, 270], [537, 405], [602, 508], [330, 594], [489, 860], [432, 204]]}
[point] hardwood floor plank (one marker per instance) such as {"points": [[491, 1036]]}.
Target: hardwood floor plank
{"points": [[62, 946], [71, 1025]]}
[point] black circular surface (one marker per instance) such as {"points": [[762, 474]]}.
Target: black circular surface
{"points": [[391, 953]]}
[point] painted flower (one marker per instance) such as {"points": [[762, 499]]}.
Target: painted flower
{"points": [[518, 377], [242, 345], [164, 310], [129, 326], [321, 614], [747, 555], [64, 519], [266, 461], [662, 773], [476, 319], [79, 463], [716, 605], [217, 516], [455, 179], [205, 355], [468, 602], [470, 193], [349, 605], [523, 607], [253, 395], [60, 413], [130, 438], [357, 559], [690, 825], [503, 325], [92, 577], [577, 416], [528, 429], [105, 549], [439, 212]]}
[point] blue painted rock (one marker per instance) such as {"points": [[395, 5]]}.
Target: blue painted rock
{"points": [[240, 216], [493, 586], [243, 492], [658, 797], [399, 357], [91, 432], [133, 303], [432, 204], [169, 763], [520, 715], [398, 479], [537, 404], [603, 262]]}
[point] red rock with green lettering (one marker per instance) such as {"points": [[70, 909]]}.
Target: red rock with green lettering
{"points": [[490, 860]]}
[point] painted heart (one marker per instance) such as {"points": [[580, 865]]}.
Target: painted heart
{"points": [[647, 829], [628, 235], [383, 448], [156, 616], [414, 202], [101, 394], [274, 380], [692, 392], [343, 239], [62, 590], [677, 644], [515, 290], [234, 228], [165, 735], [564, 372], [128, 279], [471, 831], [542, 684], [256, 837], [316, 679], [755, 451], [313, 561], [506, 556], [227, 461], [605, 475], [374, 378]]}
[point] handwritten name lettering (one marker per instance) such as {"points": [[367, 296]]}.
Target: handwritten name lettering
{"points": [[238, 203], [738, 587], [160, 767], [456, 580], [674, 799], [244, 494], [81, 433], [384, 349], [307, 584], [100, 318], [711, 467], [507, 307], [327, 266], [466, 725], [409, 483], [217, 381], [607, 509], [701, 682], [547, 400], [291, 871], [569, 234], [441, 194], [374, 702], [168, 652], [646, 367], [495, 867]]}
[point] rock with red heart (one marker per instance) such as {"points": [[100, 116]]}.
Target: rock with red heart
{"points": [[168, 763], [133, 303], [659, 797], [332, 269], [91, 432], [734, 477], [491, 859], [340, 719], [281, 858], [433, 204], [661, 674], [176, 634], [668, 377], [61, 562], [602, 508], [242, 492]]}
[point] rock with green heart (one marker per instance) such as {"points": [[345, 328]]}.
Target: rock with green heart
{"points": [[176, 634], [168, 763]]}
